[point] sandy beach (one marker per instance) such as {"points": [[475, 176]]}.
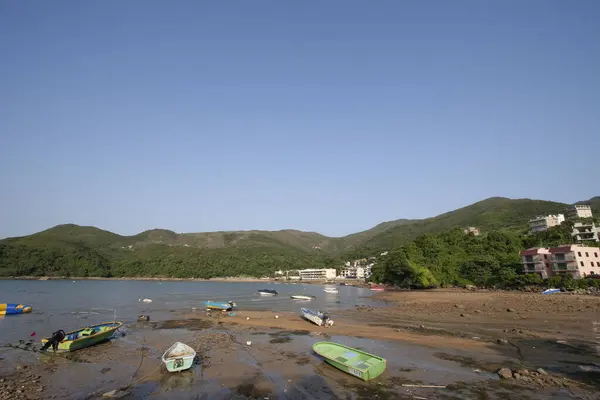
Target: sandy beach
{"points": [[454, 339]]}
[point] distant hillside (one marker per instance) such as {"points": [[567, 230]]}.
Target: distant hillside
{"points": [[490, 214], [88, 251]]}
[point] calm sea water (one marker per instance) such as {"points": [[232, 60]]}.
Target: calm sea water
{"points": [[66, 304]]}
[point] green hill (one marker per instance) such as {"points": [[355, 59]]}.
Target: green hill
{"points": [[487, 215], [88, 251]]}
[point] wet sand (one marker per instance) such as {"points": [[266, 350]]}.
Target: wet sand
{"points": [[421, 334]]}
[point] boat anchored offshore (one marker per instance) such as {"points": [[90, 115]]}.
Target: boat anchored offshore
{"points": [[316, 317], [10, 309], [301, 297], [352, 361], [330, 290], [216, 305], [178, 357], [268, 292], [62, 342]]}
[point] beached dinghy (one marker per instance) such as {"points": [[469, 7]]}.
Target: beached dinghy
{"points": [[301, 297], [216, 305], [10, 309], [268, 292], [62, 342], [316, 317], [352, 361], [178, 357]]}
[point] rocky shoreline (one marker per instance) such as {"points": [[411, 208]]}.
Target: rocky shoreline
{"points": [[441, 343]]}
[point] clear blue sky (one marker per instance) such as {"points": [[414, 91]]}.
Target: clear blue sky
{"points": [[329, 116]]}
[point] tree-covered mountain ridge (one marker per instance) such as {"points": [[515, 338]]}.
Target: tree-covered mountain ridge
{"points": [[89, 251]]}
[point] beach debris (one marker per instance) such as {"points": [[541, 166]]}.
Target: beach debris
{"points": [[104, 370], [115, 394], [510, 310], [248, 343], [502, 341], [247, 318], [143, 318], [541, 371], [277, 316], [424, 386]]}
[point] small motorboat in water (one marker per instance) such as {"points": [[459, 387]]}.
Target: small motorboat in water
{"points": [[330, 290], [178, 357], [216, 305], [316, 317], [301, 297], [268, 292]]}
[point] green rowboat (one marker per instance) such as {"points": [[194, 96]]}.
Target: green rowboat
{"points": [[352, 361], [86, 337]]}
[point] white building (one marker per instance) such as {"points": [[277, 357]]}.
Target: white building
{"points": [[356, 272], [542, 223], [472, 230], [317, 273], [585, 231], [579, 211], [349, 273]]}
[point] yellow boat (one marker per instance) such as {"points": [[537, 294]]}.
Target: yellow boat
{"points": [[81, 338]]}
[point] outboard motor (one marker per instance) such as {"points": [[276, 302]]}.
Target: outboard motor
{"points": [[56, 338]]}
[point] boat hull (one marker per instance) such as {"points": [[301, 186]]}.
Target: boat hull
{"points": [[300, 297], [214, 305], [13, 309], [314, 317], [179, 362], [352, 361], [80, 339]]}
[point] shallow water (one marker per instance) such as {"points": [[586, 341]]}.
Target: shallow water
{"points": [[68, 305]]}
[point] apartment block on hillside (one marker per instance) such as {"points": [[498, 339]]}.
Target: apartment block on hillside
{"points": [[579, 211], [585, 231], [537, 261], [580, 261], [542, 223]]}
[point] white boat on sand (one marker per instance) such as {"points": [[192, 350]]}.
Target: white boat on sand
{"points": [[178, 357], [317, 317]]}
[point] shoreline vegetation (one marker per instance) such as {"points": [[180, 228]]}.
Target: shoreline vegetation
{"points": [[421, 254], [349, 282]]}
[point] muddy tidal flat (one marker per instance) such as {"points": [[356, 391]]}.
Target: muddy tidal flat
{"points": [[444, 344]]}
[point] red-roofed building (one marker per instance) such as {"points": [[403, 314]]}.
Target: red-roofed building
{"points": [[580, 261], [537, 261]]}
